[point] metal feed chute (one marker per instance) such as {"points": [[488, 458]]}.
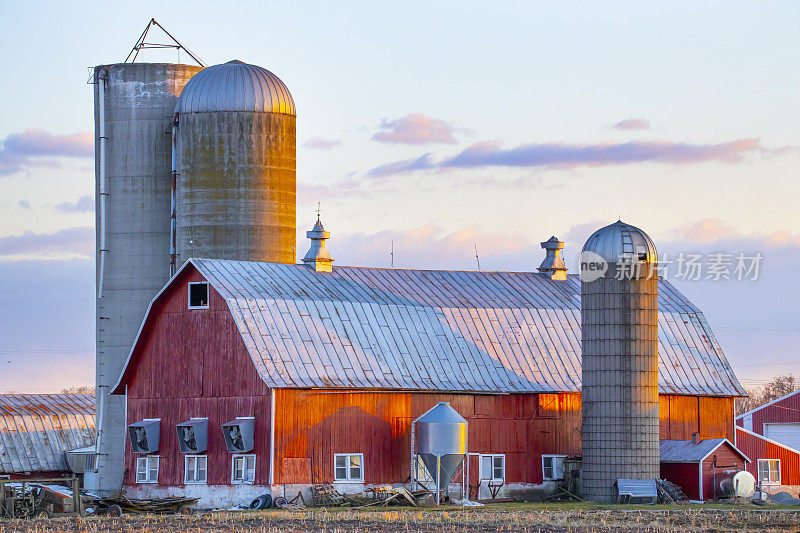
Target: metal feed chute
{"points": [[441, 444]]}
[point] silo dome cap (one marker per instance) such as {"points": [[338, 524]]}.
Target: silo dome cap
{"points": [[621, 241], [235, 86]]}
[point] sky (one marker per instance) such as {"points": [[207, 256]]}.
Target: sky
{"points": [[439, 129]]}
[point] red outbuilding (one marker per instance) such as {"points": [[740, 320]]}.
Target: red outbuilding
{"points": [[699, 465], [249, 378], [771, 435]]}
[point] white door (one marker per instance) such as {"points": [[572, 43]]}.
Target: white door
{"points": [[787, 433]]}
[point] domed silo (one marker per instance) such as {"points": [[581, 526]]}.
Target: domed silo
{"points": [[619, 306], [133, 111], [235, 164], [442, 444]]}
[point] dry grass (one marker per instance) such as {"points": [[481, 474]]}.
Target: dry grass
{"points": [[496, 518]]}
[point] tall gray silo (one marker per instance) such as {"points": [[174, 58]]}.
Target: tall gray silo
{"points": [[235, 166], [442, 444], [133, 110], [619, 306]]}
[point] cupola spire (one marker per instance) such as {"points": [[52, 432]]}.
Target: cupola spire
{"points": [[317, 256], [553, 266]]}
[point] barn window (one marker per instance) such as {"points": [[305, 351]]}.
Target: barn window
{"points": [[243, 469], [553, 467], [196, 469], [348, 467], [147, 469], [769, 471], [198, 295], [493, 467]]}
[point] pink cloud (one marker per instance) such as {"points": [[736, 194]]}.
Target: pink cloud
{"points": [[35, 146], [566, 156], [416, 128], [69, 243], [633, 124], [319, 143]]}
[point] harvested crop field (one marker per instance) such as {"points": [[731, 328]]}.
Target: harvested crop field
{"points": [[520, 517]]}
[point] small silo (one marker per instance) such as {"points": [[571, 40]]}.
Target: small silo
{"points": [[619, 306], [234, 144], [441, 444], [133, 112]]}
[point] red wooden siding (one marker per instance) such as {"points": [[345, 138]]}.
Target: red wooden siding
{"points": [[680, 416], [193, 363], [756, 447], [311, 426], [685, 475], [724, 458], [785, 410]]}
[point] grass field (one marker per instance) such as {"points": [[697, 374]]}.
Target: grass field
{"points": [[491, 518]]}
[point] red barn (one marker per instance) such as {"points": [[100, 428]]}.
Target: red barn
{"points": [[318, 376], [771, 434]]}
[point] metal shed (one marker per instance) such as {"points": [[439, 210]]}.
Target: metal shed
{"points": [[36, 430]]}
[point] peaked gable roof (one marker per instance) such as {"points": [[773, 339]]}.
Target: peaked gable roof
{"points": [[768, 404], [497, 332], [684, 451]]}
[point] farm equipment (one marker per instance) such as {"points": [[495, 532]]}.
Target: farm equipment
{"points": [[40, 498], [118, 503]]}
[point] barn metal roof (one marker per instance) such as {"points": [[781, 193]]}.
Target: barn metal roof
{"points": [[683, 451], [439, 330], [235, 86], [36, 430]]}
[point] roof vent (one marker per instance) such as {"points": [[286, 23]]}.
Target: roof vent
{"points": [[553, 266], [317, 256]]}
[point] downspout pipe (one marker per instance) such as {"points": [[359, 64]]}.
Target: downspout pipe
{"points": [[101, 105], [173, 191]]}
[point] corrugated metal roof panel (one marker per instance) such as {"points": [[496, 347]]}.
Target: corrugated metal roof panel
{"points": [[683, 451], [440, 330], [36, 430]]}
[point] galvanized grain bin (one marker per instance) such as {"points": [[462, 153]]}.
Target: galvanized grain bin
{"points": [[442, 443]]}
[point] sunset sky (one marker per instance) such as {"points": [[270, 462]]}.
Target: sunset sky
{"points": [[439, 127]]}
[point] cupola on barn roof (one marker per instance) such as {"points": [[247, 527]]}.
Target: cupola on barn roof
{"points": [[621, 240], [235, 86]]}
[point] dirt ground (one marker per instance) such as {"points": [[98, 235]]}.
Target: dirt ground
{"points": [[556, 518]]}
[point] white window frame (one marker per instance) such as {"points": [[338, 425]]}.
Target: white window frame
{"points": [[349, 477], [147, 461], [552, 466], [767, 462], [244, 480], [186, 469], [189, 295], [493, 456]]}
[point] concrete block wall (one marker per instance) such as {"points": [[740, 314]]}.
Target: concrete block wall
{"points": [[620, 383], [139, 106]]}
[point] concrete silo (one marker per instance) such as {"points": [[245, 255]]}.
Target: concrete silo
{"points": [[619, 305], [134, 105], [234, 144]]}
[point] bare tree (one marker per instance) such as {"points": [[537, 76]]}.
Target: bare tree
{"points": [[774, 389], [83, 389]]}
